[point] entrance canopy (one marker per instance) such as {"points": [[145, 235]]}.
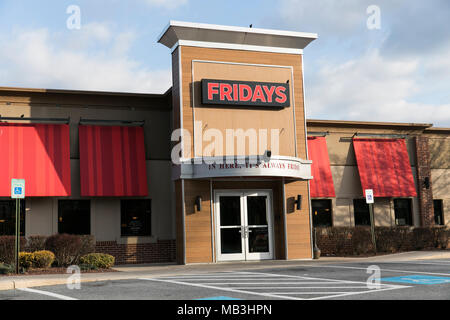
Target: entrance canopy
{"points": [[383, 166]]}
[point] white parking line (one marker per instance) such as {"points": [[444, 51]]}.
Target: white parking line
{"points": [[223, 289], [431, 263], [46, 293], [381, 269], [277, 285]]}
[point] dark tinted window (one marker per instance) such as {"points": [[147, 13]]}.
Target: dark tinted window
{"points": [[402, 209], [321, 212], [362, 213], [8, 217], [136, 217], [438, 212], [74, 216]]}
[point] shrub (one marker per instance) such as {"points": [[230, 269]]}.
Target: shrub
{"points": [[87, 267], [7, 248], [43, 259], [66, 248], [99, 260], [25, 260], [36, 243], [423, 238], [362, 240], [6, 269], [87, 246], [441, 237]]}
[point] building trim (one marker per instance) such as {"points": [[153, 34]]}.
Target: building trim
{"points": [[230, 46]]}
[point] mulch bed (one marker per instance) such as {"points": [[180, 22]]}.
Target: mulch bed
{"points": [[36, 272]]}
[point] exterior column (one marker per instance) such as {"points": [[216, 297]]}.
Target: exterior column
{"points": [[425, 190]]}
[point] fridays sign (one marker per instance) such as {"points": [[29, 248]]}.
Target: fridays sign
{"points": [[245, 93]]}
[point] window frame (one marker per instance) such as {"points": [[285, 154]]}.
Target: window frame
{"points": [[148, 232], [410, 207], [361, 200], [13, 217], [441, 213], [61, 202], [330, 202]]}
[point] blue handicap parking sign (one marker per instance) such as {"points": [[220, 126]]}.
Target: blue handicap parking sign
{"points": [[418, 279], [18, 190]]}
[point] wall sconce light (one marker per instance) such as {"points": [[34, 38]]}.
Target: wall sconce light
{"points": [[298, 202], [198, 203], [426, 183], [267, 155]]}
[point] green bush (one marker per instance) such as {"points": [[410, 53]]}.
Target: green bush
{"points": [[87, 267], [7, 248], [43, 259], [66, 248], [99, 260], [6, 269], [25, 260]]}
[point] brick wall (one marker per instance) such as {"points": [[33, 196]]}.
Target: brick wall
{"points": [[161, 251], [424, 171]]}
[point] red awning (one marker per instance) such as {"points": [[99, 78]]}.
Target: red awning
{"points": [[322, 183], [38, 153], [112, 161], [383, 166]]}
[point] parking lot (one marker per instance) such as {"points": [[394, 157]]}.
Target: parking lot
{"points": [[418, 280]]}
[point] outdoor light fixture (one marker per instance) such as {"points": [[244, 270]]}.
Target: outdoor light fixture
{"points": [[198, 203], [267, 155], [426, 183], [298, 202]]}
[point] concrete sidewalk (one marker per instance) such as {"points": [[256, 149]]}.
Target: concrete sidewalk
{"points": [[158, 270]]}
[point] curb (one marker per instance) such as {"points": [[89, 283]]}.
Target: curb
{"points": [[29, 283]]}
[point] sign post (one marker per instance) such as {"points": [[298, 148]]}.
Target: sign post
{"points": [[17, 192], [370, 201]]}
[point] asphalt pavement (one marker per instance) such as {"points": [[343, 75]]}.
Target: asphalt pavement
{"points": [[397, 277]]}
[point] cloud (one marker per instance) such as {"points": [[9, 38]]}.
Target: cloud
{"points": [[93, 59], [168, 4], [371, 88], [398, 73]]}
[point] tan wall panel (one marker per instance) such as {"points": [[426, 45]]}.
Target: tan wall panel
{"points": [[383, 212], [439, 153], [198, 223], [191, 53], [343, 213], [441, 183], [298, 221], [222, 118]]}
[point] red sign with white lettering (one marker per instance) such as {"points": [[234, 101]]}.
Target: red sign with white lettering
{"points": [[245, 93]]}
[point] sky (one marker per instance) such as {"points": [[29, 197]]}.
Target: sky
{"points": [[391, 64]]}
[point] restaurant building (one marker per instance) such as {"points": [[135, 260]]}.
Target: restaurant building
{"points": [[166, 177]]}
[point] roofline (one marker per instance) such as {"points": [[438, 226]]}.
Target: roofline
{"points": [[85, 92], [175, 23], [437, 130], [346, 123]]}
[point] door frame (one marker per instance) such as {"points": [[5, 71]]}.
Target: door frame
{"points": [[244, 256]]}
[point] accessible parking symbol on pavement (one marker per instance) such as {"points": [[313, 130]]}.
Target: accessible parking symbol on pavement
{"points": [[418, 279]]}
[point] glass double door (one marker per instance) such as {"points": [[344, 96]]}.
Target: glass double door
{"points": [[243, 225]]}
